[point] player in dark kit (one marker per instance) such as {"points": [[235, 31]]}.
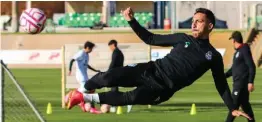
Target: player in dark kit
{"points": [[117, 58], [243, 71], [157, 81]]}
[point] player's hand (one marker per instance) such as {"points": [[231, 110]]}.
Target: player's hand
{"points": [[238, 113], [251, 87], [128, 14], [69, 73]]}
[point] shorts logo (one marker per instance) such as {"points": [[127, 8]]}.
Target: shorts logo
{"points": [[209, 55], [235, 93], [131, 65], [157, 99]]}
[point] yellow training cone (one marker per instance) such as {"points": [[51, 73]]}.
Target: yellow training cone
{"points": [[193, 110], [119, 110], [49, 109]]}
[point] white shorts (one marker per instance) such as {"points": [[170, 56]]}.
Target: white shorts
{"points": [[81, 77]]}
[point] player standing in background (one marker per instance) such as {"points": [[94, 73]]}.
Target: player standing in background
{"points": [[243, 71], [157, 81], [117, 61], [117, 58], [82, 59]]}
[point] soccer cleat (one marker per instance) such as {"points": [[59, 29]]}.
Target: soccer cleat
{"points": [[75, 98], [67, 97], [95, 111]]}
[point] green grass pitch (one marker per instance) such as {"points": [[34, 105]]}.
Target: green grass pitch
{"points": [[44, 85]]}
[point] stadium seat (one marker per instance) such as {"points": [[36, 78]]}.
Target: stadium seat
{"points": [[143, 18], [90, 19], [259, 19], [61, 21], [79, 20]]}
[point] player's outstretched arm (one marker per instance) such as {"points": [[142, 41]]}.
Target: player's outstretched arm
{"points": [[250, 63], [148, 37], [89, 67], [251, 68], [228, 73], [70, 66], [222, 86]]}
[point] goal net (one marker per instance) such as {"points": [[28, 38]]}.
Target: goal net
{"points": [[15, 105], [100, 58]]}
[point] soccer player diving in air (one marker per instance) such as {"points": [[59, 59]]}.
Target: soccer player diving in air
{"points": [[157, 81]]}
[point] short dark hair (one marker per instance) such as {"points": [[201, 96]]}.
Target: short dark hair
{"points": [[237, 36], [112, 42], [209, 14], [89, 44]]}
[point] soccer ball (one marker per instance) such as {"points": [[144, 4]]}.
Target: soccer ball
{"points": [[32, 20]]}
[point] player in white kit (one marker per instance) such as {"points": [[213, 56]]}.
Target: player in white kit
{"points": [[82, 59]]}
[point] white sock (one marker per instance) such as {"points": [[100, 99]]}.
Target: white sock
{"points": [[91, 98], [82, 88], [129, 108], [112, 109]]}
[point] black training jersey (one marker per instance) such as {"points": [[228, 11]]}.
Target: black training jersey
{"points": [[243, 69], [189, 59], [117, 59]]}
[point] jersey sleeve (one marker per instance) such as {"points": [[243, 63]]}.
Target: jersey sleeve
{"points": [[156, 39], [217, 68], [78, 56], [250, 63], [114, 60]]}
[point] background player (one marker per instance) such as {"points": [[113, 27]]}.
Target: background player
{"points": [[82, 59], [243, 71], [157, 81], [117, 61]]}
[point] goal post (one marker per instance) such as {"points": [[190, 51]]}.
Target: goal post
{"points": [[63, 78], [15, 103], [100, 59], [1, 91]]}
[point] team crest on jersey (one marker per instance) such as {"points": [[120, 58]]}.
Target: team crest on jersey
{"points": [[237, 54], [209, 55], [157, 99], [235, 93], [187, 44]]}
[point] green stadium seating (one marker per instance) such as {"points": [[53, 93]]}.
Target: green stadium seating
{"points": [[80, 20], [61, 21], [259, 19], [118, 21], [89, 19]]}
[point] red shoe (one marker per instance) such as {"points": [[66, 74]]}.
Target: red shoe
{"points": [[75, 98], [66, 100], [95, 111]]}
